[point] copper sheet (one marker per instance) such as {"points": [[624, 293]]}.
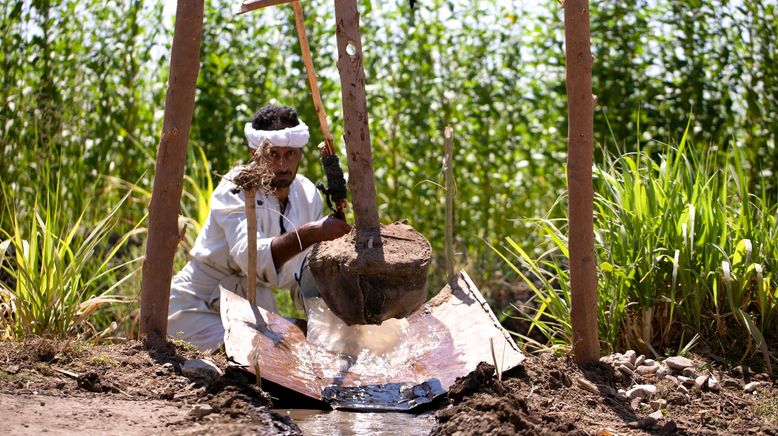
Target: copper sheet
{"points": [[451, 334]]}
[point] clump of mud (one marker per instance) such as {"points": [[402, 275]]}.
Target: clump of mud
{"points": [[482, 404], [370, 284]]}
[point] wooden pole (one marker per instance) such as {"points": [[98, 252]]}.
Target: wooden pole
{"points": [[329, 147], [583, 268], [448, 171], [299, 21], [356, 135], [251, 235], [163, 235]]}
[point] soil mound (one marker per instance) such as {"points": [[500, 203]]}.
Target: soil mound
{"points": [[143, 389], [368, 285], [552, 395]]}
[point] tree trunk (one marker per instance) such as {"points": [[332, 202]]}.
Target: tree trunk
{"points": [[356, 135], [583, 274], [163, 236]]}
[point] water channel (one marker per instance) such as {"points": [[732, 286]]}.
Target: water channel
{"points": [[341, 423]]}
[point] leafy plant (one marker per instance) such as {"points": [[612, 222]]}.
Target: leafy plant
{"points": [[683, 248], [55, 270]]}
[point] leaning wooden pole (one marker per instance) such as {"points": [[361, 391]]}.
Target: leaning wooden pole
{"points": [[299, 22], [251, 235], [163, 234], [329, 145], [580, 132], [356, 134], [448, 171]]}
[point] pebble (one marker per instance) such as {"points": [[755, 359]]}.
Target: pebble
{"points": [[662, 372], [730, 383], [678, 363], [640, 391], [700, 381], [751, 387], [628, 364], [202, 410], [647, 369], [685, 380], [621, 395], [639, 360], [649, 362], [671, 379], [690, 372], [201, 368], [713, 384], [682, 389], [625, 370], [657, 415], [631, 355], [634, 405]]}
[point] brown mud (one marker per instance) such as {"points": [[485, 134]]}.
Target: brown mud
{"points": [[368, 285], [544, 395], [69, 388]]}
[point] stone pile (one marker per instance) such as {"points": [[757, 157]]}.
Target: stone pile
{"points": [[677, 377]]}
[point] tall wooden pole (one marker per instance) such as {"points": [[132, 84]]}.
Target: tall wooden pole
{"points": [[580, 132], [356, 135], [448, 171], [329, 147], [163, 234]]}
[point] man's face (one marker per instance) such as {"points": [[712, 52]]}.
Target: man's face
{"points": [[283, 163]]}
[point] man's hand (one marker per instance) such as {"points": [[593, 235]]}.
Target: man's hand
{"points": [[290, 244], [328, 228]]}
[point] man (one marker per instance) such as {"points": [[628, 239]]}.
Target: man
{"points": [[289, 221]]}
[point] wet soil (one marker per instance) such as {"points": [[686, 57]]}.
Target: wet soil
{"points": [[370, 284], [70, 387], [545, 396]]}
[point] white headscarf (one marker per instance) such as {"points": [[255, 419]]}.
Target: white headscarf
{"points": [[294, 137]]}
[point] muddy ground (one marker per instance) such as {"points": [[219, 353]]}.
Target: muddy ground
{"points": [[69, 388], [551, 395]]}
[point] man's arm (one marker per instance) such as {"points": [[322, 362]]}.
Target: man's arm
{"points": [[290, 244]]}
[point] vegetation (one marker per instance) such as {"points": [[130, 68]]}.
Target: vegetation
{"points": [[684, 249], [80, 110]]}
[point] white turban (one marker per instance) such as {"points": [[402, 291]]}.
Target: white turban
{"points": [[294, 137]]}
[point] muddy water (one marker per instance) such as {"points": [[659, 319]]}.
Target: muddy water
{"points": [[339, 423], [369, 349]]}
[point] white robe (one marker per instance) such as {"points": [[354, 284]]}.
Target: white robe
{"points": [[220, 255]]}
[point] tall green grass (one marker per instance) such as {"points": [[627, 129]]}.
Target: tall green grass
{"points": [[58, 267], [684, 247]]}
